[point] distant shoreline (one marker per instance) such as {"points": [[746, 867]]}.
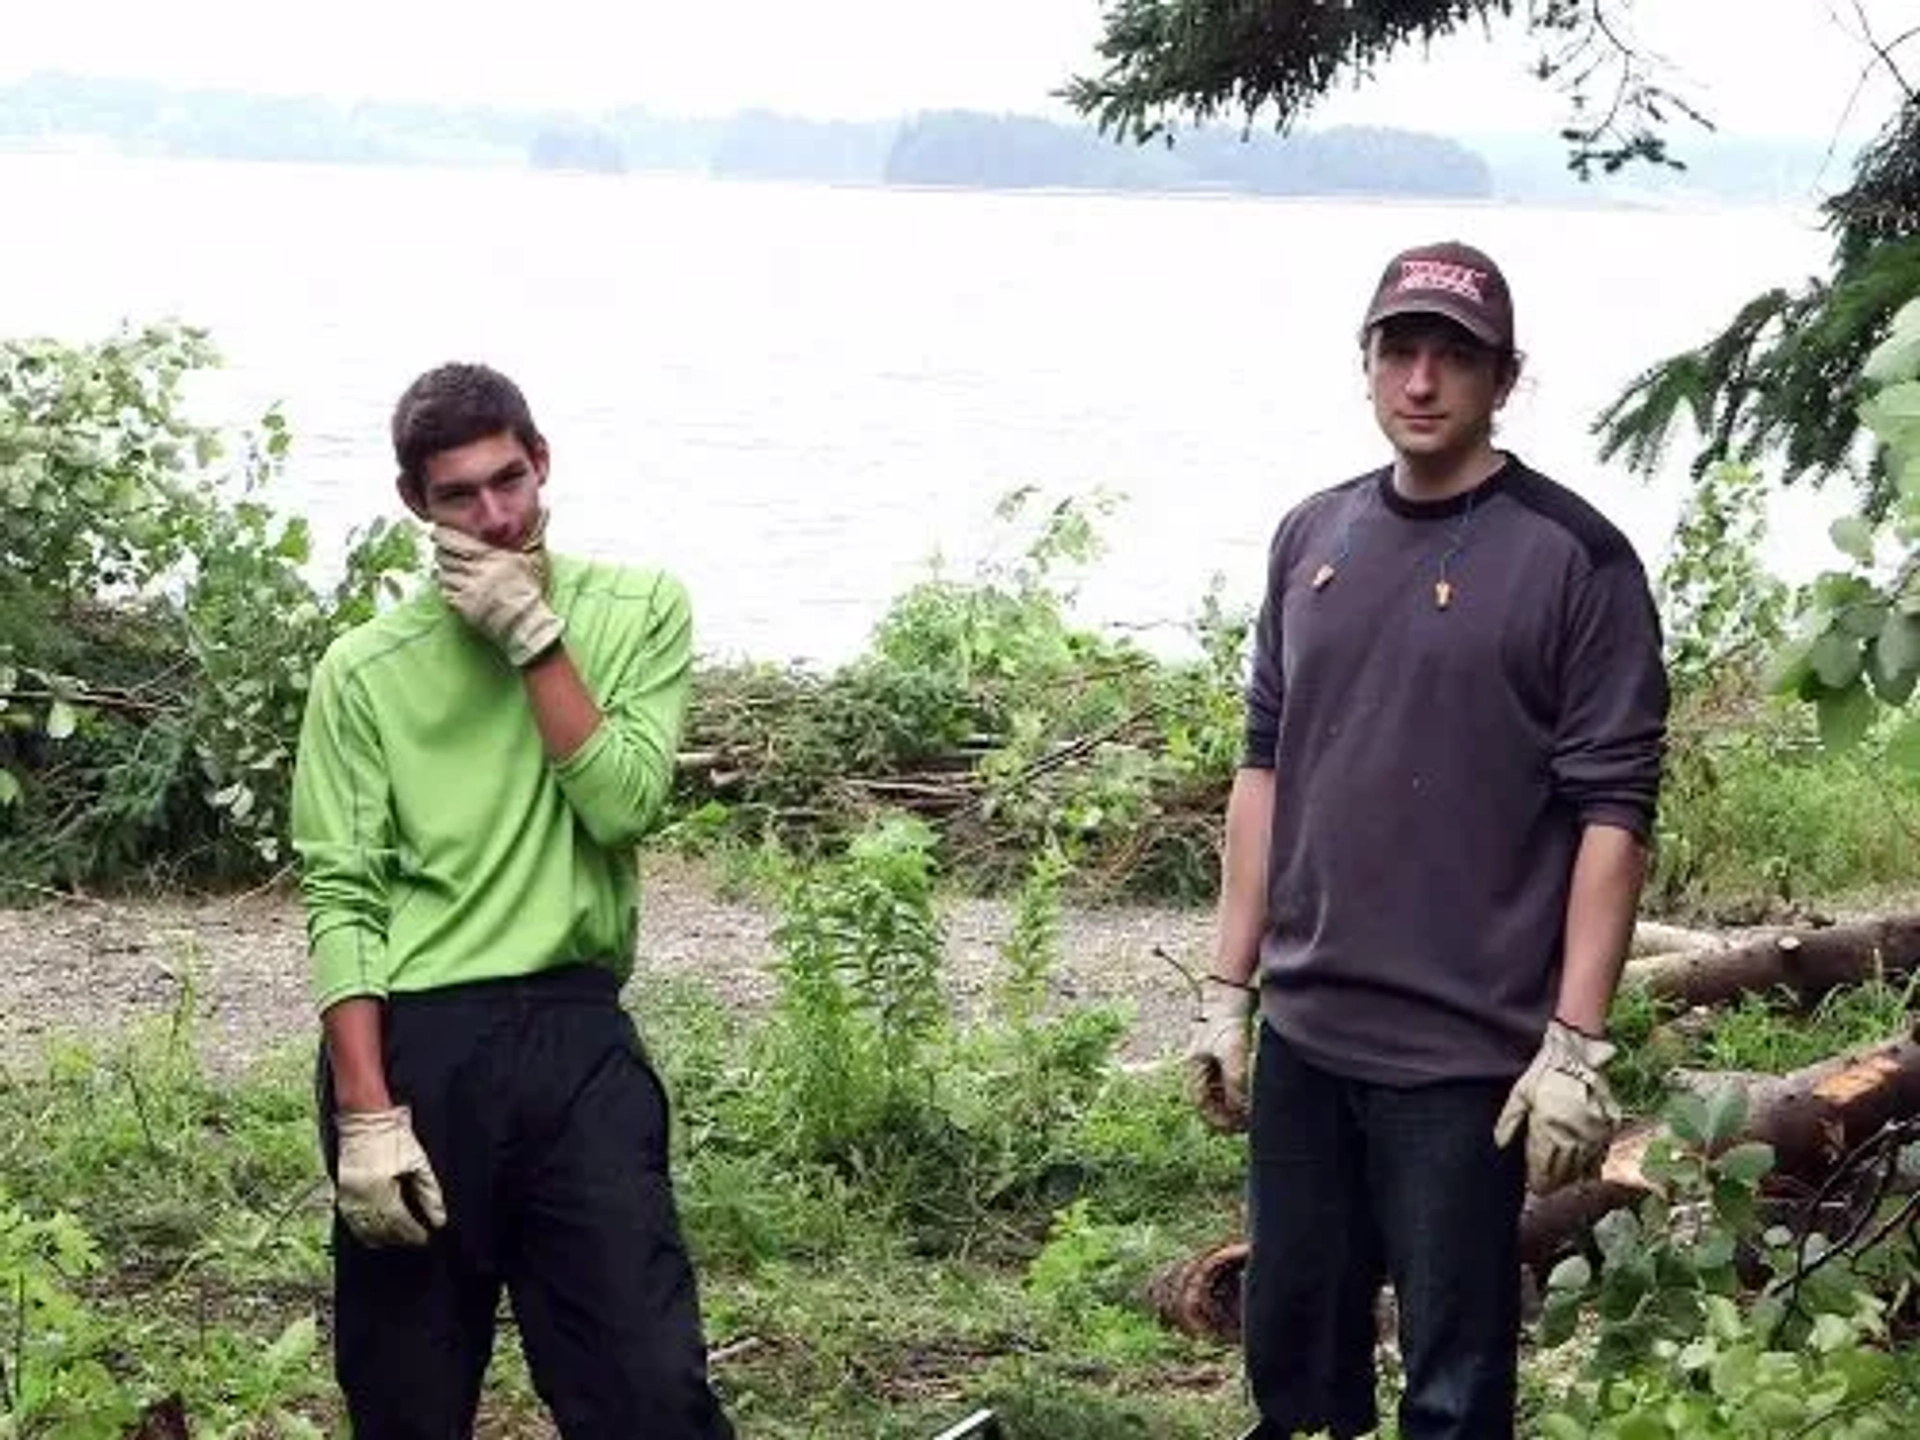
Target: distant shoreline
{"points": [[969, 150], [1601, 202]]}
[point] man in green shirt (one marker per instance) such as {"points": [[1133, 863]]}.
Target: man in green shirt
{"points": [[476, 768]]}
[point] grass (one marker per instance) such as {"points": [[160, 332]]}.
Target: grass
{"points": [[200, 1212], [206, 1213], [1757, 821], [1762, 1034], [945, 1218]]}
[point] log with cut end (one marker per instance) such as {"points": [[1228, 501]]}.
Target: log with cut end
{"points": [[163, 1419], [1200, 1294], [1812, 1118], [1807, 962]]}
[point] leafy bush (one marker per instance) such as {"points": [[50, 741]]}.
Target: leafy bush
{"points": [[1721, 612], [1856, 646], [1755, 814], [1758, 820], [1705, 1325], [163, 1234], [157, 626], [865, 1079], [54, 1378], [982, 706], [1087, 1281]]}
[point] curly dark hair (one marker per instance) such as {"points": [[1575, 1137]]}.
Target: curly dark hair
{"points": [[454, 405]]}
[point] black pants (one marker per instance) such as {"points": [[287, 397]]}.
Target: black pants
{"points": [[548, 1130], [1350, 1184]]}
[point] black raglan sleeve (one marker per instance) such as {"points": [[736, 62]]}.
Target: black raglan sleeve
{"points": [[1265, 686], [1611, 737]]}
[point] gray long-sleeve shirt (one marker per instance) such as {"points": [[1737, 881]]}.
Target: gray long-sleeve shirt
{"points": [[1470, 683]]}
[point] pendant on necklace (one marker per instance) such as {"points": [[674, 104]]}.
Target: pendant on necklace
{"points": [[1322, 576], [1442, 594]]}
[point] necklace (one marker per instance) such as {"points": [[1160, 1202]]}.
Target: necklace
{"points": [[1343, 546], [1443, 586]]}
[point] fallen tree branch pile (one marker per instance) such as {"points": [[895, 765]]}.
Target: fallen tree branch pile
{"points": [[996, 767]]}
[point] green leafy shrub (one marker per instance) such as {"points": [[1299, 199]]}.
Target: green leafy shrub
{"points": [[865, 1078], [983, 706], [157, 625], [1856, 646], [1087, 1281], [1756, 815], [1704, 1324], [54, 1377]]}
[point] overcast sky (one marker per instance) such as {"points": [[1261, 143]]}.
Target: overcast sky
{"points": [[1785, 74]]}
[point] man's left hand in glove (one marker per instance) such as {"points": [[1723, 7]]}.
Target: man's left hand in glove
{"points": [[1566, 1106]]}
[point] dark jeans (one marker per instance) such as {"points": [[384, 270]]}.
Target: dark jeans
{"points": [[1352, 1183], [548, 1130]]}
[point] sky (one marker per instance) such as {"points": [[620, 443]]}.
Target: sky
{"points": [[1762, 68]]}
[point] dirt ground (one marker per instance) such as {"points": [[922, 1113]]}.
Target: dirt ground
{"points": [[91, 968]]}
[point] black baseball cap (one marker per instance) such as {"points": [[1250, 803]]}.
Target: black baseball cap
{"points": [[1449, 279]]}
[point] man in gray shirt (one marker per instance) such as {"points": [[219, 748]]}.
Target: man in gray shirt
{"points": [[1434, 850]]}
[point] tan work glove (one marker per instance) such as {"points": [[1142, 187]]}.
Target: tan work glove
{"points": [[1217, 1048], [501, 593], [380, 1164], [1566, 1106]]}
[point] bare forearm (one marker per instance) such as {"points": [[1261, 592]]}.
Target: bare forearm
{"points": [[1243, 879], [1608, 872], [355, 1055], [563, 708]]}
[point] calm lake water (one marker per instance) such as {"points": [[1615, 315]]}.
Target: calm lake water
{"points": [[796, 395]]}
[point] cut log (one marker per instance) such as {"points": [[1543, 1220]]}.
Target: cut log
{"points": [[1650, 937], [1812, 1118], [164, 1419], [1556, 1224], [1200, 1295], [1807, 962]]}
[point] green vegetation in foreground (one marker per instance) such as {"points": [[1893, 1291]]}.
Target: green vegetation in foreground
{"points": [[898, 1217], [895, 1216]]}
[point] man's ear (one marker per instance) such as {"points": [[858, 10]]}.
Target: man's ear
{"points": [[410, 495], [1510, 367], [542, 461]]}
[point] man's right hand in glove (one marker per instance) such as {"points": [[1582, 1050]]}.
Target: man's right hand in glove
{"points": [[500, 593], [1217, 1052], [381, 1167]]}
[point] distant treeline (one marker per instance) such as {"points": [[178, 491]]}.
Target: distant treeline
{"points": [[948, 148], [961, 148], [945, 148]]}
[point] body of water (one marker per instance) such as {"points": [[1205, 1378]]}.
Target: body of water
{"points": [[795, 395]]}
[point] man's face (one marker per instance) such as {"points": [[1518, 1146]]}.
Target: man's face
{"points": [[1435, 386], [489, 489]]}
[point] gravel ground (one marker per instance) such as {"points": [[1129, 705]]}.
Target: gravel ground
{"points": [[92, 968]]}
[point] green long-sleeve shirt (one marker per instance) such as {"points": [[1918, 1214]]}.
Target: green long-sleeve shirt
{"points": [[438, 842]]}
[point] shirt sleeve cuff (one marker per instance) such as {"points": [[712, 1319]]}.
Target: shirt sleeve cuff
{"points": [[1631, 818], [590, 779], [1256, 751], [347, 965]]}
